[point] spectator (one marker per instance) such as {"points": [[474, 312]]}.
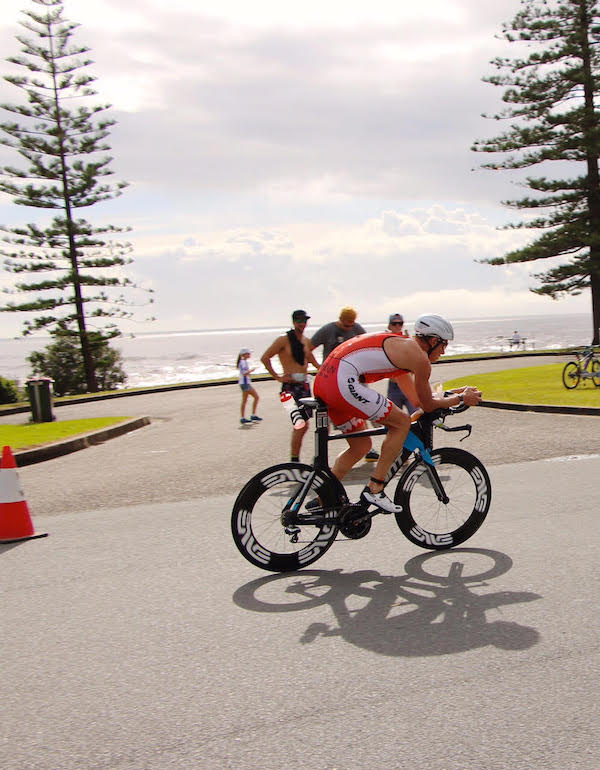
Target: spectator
{"points": [[245, 383], [515, 340], [333, 334], [294, 353], [394, 392]]}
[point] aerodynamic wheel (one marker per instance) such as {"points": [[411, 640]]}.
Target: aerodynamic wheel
{"points": [[256, 523], [432, 523]]}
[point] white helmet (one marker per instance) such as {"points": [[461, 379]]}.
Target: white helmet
{"points": [[430, 325]]}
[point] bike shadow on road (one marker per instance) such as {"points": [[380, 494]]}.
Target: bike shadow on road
{"points": [[439, 606]]}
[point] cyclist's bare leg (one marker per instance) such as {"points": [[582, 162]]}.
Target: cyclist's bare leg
{"points": [[398, 424], [357, 449]]}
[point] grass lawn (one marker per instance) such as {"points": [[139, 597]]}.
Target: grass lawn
{"points": [[31, 435], [531, 385]]}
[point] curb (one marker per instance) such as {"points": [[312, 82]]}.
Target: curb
{"points": [[547, 408], [60, 448]]}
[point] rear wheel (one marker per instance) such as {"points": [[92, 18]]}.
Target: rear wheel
{"points": [[570, 375], [431, 523], [256, 523]]}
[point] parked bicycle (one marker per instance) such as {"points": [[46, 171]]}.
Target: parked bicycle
{"points": [[587, 367], [287, 516]]}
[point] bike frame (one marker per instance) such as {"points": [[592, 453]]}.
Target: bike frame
{"points": [[412, 444], [586, 356]]}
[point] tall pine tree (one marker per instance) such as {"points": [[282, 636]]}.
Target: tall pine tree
{"points": [[551, 96], [61, 137]]}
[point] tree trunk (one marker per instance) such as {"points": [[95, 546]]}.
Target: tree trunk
{"points": [[595, 284], [590, 135]]}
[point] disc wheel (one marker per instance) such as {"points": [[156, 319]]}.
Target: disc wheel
{"points": [[431, 523], [257, 527], [570, 375]]}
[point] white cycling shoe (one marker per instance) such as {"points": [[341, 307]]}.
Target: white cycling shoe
{"points": [[381, 500]]}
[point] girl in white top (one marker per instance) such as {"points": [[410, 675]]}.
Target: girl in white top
{"points": [[245, 383]]}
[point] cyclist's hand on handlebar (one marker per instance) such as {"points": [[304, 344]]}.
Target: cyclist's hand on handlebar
{"points": [[471, 395]]}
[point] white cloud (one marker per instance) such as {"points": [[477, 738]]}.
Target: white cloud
{"points": [[309, 155]]}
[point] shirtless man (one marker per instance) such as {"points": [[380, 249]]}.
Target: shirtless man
{"points": [[294, 352], [342, 383]]}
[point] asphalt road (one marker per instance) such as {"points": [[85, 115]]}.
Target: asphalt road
{"points": [[135, 637]]}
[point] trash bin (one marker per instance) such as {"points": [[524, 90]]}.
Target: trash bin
{"points": [[39, 390]]}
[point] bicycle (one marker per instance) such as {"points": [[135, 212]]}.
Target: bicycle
{"points": [[445, 496], [587, 367]]}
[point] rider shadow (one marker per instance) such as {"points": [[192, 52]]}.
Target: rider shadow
{"points": [[437, 611]]}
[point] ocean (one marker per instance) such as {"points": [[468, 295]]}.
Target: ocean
{"points": [[164, 358]]}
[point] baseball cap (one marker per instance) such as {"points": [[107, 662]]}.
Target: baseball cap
{"points": [[244, 351], [396, 317], [300, 315]]}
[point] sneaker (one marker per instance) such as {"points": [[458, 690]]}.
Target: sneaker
{"points": [[244, 420], [255, 418], [381, 500], [372, 456]]}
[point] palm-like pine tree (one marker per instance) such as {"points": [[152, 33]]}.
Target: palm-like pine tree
{"points": [[551, 96], [62, 138]]}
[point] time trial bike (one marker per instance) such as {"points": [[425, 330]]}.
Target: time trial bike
{"points": [[288, 515]]}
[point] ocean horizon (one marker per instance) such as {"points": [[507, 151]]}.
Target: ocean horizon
{"points": [[166, 357]]}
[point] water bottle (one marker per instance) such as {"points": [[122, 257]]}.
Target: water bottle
{"points": [[290, 406]]}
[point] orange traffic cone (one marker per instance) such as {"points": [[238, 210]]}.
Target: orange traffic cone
{"points": [[15, 521]]}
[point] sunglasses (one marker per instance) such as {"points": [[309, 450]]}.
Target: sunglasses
{"points": [[397, 323]]}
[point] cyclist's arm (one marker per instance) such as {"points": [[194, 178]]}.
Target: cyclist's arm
{"points": [[430, 402]]}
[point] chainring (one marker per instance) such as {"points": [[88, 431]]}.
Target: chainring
{"points": [[355, 522]]}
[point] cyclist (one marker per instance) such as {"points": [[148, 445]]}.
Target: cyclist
{"points": [[342, 383]]}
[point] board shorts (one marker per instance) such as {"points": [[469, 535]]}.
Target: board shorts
{"points": [[350, 403], [299, 390]]}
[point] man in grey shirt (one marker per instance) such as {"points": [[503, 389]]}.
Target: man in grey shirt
{"points": [[333, 334]]}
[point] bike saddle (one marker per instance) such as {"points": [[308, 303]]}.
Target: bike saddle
{"points": [[313, 403]]}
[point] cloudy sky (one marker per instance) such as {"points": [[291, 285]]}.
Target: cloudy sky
{"points": [[309, 155]]}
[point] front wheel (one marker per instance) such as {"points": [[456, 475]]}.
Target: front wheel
{"points": [[570, 375], [256, 518], [595, 369], [431, 523]]}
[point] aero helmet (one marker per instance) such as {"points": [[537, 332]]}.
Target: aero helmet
{"points": [[430, 325]]}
